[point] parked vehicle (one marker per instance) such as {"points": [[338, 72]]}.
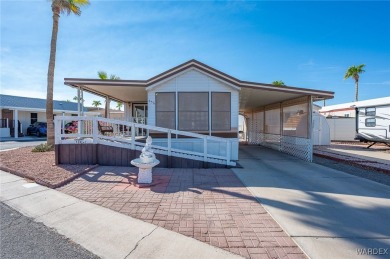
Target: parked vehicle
{"points": [[373, 121], [38, 128], [70, 127]]}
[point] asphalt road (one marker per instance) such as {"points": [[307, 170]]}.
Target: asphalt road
{"points": [[21, 237]]}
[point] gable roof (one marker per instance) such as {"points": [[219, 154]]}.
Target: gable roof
{"points": [[201, 66], [135, 90], [10, 102]]}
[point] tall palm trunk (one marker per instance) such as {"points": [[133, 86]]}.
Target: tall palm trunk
{"points": [[50, 78], [356, 90]]}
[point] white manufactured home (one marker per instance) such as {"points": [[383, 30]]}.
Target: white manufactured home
{"points": [[192, 113]]}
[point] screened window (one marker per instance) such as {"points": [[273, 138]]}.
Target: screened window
{"points": [[258, 121], [220, 117], [272, 121], [370, 111], [34, 118], [165, 110], [371, 122], [295, 120], [193, 111]]}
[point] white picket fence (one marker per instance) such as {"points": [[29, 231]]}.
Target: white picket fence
{"points": [[130, 135]]}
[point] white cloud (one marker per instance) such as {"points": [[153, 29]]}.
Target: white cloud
{"points": [[305, 65]]}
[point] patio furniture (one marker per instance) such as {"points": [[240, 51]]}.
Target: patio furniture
{"points": [[105, 129]]}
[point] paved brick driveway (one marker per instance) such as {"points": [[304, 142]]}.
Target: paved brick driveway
{"points": [[210, 205]]}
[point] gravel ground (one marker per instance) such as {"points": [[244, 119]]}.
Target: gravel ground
{"points": [[349, 169], [39, 165]]}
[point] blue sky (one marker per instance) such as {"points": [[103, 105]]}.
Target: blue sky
{"points": [[306, 44]]}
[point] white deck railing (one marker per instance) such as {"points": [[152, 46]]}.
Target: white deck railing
{"points": [[130, 135]]}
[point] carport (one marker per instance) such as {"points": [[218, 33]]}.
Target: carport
{"points": [[280, 117]]}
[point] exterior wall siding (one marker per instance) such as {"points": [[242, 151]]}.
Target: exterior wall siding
{"points": [[194, 81]]}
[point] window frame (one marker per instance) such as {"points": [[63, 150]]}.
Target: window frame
{"points": [[178, 111], [174, 108], [370, 124], [370, 113], [31, 118], [212, 111]]}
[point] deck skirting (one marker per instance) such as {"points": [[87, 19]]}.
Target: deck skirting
{"points": [[91, 154]]}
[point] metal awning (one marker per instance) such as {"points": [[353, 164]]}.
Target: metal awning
{"points": [[117, 90], [252, 95]]}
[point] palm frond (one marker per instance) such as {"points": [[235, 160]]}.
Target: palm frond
{"points": [[102, 75], [69, 6], [114, 77], [96, 103], [278, 83], [354, 71]]}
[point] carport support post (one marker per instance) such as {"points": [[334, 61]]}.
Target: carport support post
{"points": [[80, 124], [78, 110], [78, 102], [310, 127], [16, 124], [82, 101], [281, 127], [107, 110]]}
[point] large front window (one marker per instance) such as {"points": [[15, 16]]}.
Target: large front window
{"points": [[220, 111], [165, 110], [193, 111]]}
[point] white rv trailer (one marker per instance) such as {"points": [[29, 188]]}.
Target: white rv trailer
{"points": [[373, 121]]}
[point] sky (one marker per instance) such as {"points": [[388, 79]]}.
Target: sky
{"points": [[307, 44]]}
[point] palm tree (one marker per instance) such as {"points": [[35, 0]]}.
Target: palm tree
{"points": [[96, 104], [77, 99], [114, 77], [103, 76], [119, 105], [354, 71], [57, 7], [278, 83]]}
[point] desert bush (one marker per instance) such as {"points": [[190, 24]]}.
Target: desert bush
{"points": [[44, 147]]}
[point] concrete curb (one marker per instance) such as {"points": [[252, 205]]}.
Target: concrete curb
{"points": [[353, 163]]}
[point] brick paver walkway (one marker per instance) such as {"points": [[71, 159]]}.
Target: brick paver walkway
{"points": [[210, 205]]}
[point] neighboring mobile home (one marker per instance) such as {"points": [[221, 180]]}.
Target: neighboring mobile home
{"points": [[373, 121], [345, 125], [196, 98], [28, 110]]}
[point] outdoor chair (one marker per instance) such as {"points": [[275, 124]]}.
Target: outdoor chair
{"points": [[105, 129]]}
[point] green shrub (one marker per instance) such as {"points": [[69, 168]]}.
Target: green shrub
{"points": [[44, 147]]}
